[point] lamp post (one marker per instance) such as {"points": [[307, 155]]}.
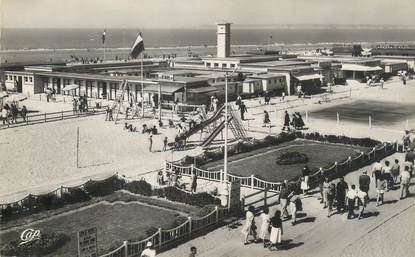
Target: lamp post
{"points": [[225, 154]]}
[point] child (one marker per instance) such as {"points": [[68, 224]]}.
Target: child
{"points": [[382, 185], [276, 230], [264, 233]]}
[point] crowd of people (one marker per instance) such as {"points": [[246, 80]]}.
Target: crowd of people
{"points": [[10, 113], [297, 121]]}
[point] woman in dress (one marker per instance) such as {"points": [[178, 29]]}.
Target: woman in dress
{"points": [[249, 228], [264, 233], [276, 230]]}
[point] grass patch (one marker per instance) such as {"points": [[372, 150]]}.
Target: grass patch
{"points": [[115, 223], [262, 162]]}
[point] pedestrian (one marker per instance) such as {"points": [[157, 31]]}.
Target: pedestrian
{"points": [[14, 112], [362, 197], [194, 182], [295, 205], [377, 171], [160, 179], [283, 96], [5, 116], [305, 176], [264, 233], [267, 121], [331, 193], [286, 121], [149, 251], [110, 117], [193, 251], [249, 228], [243, 110], [351, 199], [150, 143], [266, 98], [107, 113], [24, 112], [283, 199], [381, 83], [405, 182], [321, 179], [341, 190], [380, 190], [165, 141], [395, 171], [386, 172], [276, 230], [238, 100], [74, 106], [364, 182], [326, 187]]}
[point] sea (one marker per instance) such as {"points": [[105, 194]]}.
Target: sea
{"points": [[39, 45]]}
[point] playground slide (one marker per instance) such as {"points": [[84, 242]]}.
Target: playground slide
{"points": [[214, 133], [205, 123]]}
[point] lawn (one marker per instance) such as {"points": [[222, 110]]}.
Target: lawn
{"points": [[382, 113], [115, 222], [262, 162]]}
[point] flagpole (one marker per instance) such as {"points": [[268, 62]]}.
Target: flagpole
{"points": [[142, 87]]}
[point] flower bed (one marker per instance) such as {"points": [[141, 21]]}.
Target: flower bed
{"points": [[47, 243], [291, 158]]}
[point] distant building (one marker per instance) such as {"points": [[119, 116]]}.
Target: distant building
{"points": [[223, 39]]}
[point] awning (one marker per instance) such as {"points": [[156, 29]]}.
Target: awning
{"points": [[199, 90], [308, 77], [357, 67], [165, 89], [70, 87]]}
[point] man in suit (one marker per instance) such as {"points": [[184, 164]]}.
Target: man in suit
{"points": [[364, 183]]}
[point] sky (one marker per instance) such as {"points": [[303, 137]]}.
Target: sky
{"points": [[145, 14]]}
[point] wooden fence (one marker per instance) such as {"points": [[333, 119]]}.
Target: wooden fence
{"points": [[51, 116], [336, 170]]}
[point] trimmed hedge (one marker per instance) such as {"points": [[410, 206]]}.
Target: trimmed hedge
{"points": [[139, 187], [47, 243], [177, 195]]}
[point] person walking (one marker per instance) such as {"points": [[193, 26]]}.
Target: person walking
{"points": [[283, 199], [362, 197], [110, 117], [364, 182], [165, 142], [341, 190], [331, 193], [351, 199], [295, 205], [249, 228], [243, 110], [380, 190], [24, 112], [405, 182], [326, 187], [150, 143], [283, 96], [5, 116], [194, 182], [276, 230], [267, 121], [395, 171], [305, 176], [377, 171], [321, 178], [286, 121], [386, 172], [264, 233]]}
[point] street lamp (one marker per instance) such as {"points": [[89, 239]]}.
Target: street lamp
{"points": [[225, 154]]}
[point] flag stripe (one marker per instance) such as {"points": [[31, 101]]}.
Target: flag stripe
{"points": [[138, 47]]}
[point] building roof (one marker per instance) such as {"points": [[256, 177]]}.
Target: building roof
{"points": [[167, 89], [267, 75], [308, 77], [202, 89], [357, 67]]}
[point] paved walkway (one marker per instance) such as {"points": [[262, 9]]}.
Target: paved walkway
{"points": [[317, 235]]}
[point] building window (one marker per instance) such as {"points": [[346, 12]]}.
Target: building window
{"points": [[25, 79], [223, 65], [232, 65], [14, 77], [31, 79], [216, 64]]}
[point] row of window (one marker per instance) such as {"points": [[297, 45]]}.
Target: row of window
{"points": [[218, 65], [14, 78], [275, 80]]}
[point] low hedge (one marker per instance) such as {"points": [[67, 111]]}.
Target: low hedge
{"points": [[104, 187], [47, 243], [177, 195], [139, 187]]}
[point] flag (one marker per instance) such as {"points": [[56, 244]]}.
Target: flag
{"points": [[103, 36], [138, 47]]}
